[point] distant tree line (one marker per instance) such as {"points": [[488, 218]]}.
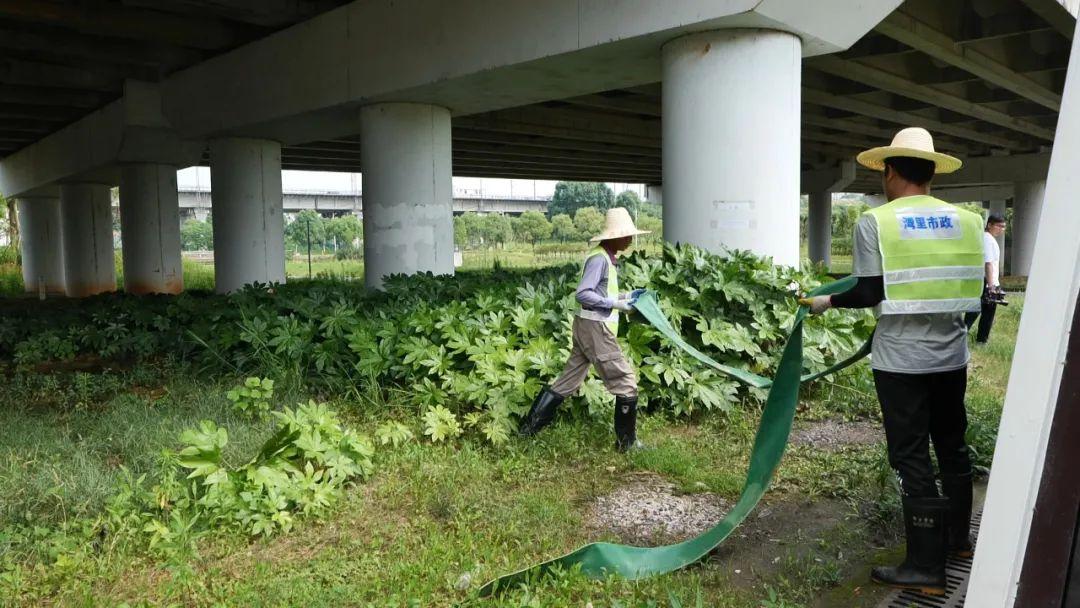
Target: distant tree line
{"points": [[575, 214], [340, 236]]}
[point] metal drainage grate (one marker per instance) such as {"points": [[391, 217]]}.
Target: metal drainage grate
{"points": [[957, 571]]}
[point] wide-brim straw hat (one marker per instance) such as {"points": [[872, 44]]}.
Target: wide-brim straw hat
{"points": [[913, 142], [618, 225]]}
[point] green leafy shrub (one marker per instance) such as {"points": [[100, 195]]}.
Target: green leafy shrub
{"points": [[393, 433], [299, 470], [9, 255], [469, 351], [252, 398]]}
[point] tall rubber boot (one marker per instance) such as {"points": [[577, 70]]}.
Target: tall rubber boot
{"points": [[958, 489], [924, 568], [626, 423], [542, 412]]}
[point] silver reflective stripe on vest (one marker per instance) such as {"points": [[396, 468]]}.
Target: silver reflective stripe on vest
{"points": [[916, 275], [592, 315], [910, 307]]}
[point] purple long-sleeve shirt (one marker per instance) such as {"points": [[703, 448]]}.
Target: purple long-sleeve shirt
{"points": [[592, 290]]}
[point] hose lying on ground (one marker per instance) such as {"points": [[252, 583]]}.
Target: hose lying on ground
{"points": [[599, 560]]}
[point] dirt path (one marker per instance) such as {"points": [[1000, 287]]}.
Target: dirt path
{"points": [[780, 537]]}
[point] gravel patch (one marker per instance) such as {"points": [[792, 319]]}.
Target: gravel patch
{"points": [[831, 435], [649, 510]]}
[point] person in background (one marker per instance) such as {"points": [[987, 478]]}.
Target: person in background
{"points": [[919, 262], [595, 327], [995, 227]]}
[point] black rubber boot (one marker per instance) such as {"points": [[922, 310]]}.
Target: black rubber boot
{"points": [[924, 568], [958, 489], [625, 423], [542, 412]]}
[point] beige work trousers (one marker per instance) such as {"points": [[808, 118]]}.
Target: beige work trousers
{"points": [[594, 344]]}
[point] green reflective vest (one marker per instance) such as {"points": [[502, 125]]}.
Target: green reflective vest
{"points": [[931, 256], [611, 319]]}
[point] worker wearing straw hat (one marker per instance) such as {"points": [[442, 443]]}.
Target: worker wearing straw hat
{"points": [[594, 331], [919, 262]]}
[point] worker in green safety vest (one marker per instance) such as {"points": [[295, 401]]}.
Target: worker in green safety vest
{"points": [[919, 262], [595, 327]]}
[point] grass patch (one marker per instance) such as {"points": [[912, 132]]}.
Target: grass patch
{"points": [[438, 520]]}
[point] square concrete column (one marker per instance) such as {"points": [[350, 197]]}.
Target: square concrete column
{"points": [[249, 228], [41, 245], [731, 119], [819, 228], [150, 229], [89, 259], [408, 213], [1027, 208]]}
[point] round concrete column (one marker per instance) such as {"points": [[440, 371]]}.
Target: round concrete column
{"points": [[654, 193], [86, 216], [42, 245], [408, 217], [1026, 211], [997, 207], [150, 229], [819, 227], [249, 229], [731, 141]]}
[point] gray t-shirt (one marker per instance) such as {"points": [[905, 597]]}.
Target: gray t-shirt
{"points": [[909, 344], [592, 289]]}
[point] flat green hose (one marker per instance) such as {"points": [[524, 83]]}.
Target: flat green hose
{"points": [[599, 560]]}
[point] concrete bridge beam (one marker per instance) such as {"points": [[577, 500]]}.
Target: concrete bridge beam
{"points": [[86, 219], [408, 217], [150, 229], [42, 246], [731, 141], [249, 229]]}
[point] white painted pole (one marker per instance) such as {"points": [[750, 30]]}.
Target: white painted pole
{"points": [[819, 228], [42, 244], [150, 229], [89, 261], [731, 120], [249, 229], [408, 192], [1036, 370]]}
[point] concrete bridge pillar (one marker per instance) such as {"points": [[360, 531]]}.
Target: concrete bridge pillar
{"points": [[249, 228], [1027, 208], [408, 217], [819, 227], [150, 229], [731, 141], [86, 217], [42, 244], [654, 193]]}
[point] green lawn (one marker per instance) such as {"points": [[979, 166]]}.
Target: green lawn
{"points": [[436, 521]]}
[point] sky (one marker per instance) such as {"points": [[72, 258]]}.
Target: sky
{"points": [[322, 181]]}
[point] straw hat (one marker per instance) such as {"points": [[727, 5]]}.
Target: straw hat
{"points": [[617, 225], [913, 142]]}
